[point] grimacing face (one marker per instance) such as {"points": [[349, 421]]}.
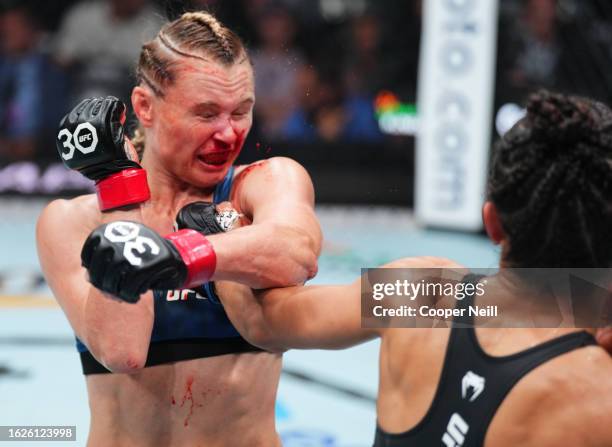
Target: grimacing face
{"points": [[201, 122]]}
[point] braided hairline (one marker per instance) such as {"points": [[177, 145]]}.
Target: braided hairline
{"points": [[153, 69], [143, 78], [214, 26], [171, 47], [150, 62]]}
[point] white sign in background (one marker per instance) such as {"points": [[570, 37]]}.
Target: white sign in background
{"points": [[455, 102]]}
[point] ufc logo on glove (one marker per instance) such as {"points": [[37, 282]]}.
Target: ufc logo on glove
{"points": [[85, 133]]}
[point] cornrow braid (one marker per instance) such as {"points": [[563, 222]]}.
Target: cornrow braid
{"points": [[196, 35], [219, 31], [171, 47], [154, 70], [551, 182]]}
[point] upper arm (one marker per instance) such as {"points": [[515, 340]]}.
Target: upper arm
{"points": [[59, 243], [95, 318], [279, 190]]}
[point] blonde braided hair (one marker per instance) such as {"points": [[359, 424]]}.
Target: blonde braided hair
{"points": [[196, 35]]}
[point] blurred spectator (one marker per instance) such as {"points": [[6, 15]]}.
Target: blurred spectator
{"points": [[530, 52], [32, 89], [100, 42], [276, 63], [540, 53], [326, 114], [364, 67]]}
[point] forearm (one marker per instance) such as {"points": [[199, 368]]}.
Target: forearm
{"points": [[117, 333], [246, 314], [265, 255], [311, 317]]}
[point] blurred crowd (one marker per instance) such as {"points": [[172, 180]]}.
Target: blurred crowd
{"points": [[563, 45], [319, 64], [318, 68]]}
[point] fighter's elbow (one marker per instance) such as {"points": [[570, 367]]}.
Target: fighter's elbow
{"points": [[124, 364], [121, 360], [297, 273], [305, 255], [311, 266], [288, 257]]}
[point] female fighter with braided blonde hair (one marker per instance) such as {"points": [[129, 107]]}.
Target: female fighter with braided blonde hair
{"points": [[167, 368]]}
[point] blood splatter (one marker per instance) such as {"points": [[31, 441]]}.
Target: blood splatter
{"points": [[173, 401], [188, 396], [240, 177]]}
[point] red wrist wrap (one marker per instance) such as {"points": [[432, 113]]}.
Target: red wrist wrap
{"points": [[123, 188], [197, 253]]}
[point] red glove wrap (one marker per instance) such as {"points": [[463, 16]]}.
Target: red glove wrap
{"points": [[198, 255], [123, 188]]}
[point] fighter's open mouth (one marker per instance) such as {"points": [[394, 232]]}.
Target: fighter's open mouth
{"points": [[215, 158]]}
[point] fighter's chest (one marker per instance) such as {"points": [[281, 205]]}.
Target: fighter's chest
{"points": [[162, 217]]}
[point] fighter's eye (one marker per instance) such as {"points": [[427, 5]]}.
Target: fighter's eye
{"points": [[208, 116], [240, 113]]}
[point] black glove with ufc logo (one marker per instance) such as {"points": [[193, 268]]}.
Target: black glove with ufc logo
{"points": [[91, 140], [126, 259]]}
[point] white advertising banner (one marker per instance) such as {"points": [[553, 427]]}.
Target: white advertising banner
{"points": [[455, 102]]}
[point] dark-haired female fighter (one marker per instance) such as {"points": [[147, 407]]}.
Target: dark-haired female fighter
{"points": [[549, 205]]}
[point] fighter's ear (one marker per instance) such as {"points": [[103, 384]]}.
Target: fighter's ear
{"points": [[492, 224], [142, 101]]}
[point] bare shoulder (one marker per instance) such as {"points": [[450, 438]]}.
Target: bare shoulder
{"points": [[423, 262], [589, 384], [285, 165], [280, 168], [570, 391], [78, 215], [275, 181]]}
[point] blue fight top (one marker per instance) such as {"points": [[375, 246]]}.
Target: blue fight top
{"points": [[188, 324]]}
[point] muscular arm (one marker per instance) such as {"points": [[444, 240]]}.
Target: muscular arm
{"points": [[281, 246], [317, 317], [303, 317], [116, 333]]}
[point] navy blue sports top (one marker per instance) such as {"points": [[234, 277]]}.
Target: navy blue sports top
{"points": [[188, 324], [473, 385]]}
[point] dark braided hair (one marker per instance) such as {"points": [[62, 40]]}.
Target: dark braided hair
{"points": [[551, 183]]}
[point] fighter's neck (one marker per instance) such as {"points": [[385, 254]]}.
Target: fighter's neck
{"points": [[169, 192]]}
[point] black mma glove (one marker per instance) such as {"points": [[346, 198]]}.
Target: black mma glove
{"points": [[126, 259], [199, 216], [91, 140]]}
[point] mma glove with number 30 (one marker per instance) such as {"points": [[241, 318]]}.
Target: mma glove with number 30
{"points": [[91, 140], [125, 259]]}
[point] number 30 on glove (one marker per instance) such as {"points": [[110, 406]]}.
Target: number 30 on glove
{"points": [[125, 259], [91, 140]]}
